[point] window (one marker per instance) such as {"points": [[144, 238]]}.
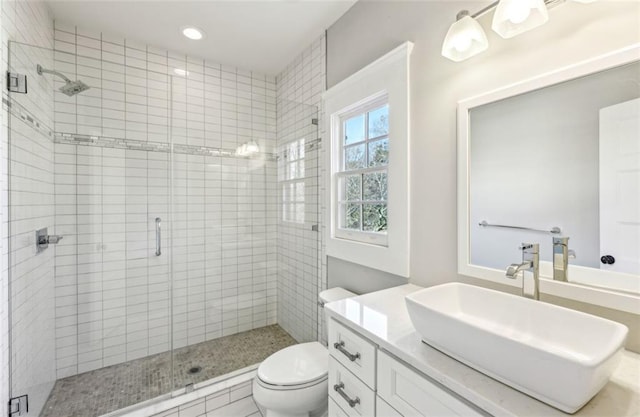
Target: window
{"points": [[362, 175], [367, 165], [292, 181]]}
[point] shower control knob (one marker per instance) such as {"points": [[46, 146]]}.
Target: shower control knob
{"points": [[607, 260], [53, 239], [44, 239]]}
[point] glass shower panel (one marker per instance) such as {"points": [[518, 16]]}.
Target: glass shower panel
{"points": [[32, 307], [298, 222], [93, 311]]}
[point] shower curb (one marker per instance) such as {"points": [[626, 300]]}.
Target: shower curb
{"points": [[180, 397]]}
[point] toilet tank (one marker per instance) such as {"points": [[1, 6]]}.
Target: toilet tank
{"points": [[327, 296], [334, 294]]}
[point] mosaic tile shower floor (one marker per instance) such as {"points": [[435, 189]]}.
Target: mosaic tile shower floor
{"points": [[112, 388]]}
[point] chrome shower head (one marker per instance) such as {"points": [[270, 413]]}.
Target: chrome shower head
{"points": [[70, 88]]}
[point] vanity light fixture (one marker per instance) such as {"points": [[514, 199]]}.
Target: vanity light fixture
{"points": [[513, 17], [192, 33], [464, 39]]}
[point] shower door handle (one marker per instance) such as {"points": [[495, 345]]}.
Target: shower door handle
{"points": [[158, 237]]}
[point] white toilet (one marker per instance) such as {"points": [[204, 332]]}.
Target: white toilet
{"points": [[293, 381]]}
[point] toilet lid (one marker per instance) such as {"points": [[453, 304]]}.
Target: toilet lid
{"points": [[295, 365]]}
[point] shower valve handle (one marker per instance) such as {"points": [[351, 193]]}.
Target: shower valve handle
{"points": [[44, 239], [53, 239]]}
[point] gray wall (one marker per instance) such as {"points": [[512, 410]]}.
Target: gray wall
{"points": [[358, 278], [575, 32]]}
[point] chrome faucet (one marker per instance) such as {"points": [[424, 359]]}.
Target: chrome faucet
{"points": [[530, 262], [561, 255]]}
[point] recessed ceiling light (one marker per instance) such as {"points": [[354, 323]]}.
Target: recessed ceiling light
{"points": [[180, 72], [192, 33]]}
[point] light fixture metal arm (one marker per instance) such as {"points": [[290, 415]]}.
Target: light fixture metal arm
{"points": [[493, 5], [484, 11]]}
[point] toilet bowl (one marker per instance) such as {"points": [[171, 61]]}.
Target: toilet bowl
{"points": [[293, 381]]}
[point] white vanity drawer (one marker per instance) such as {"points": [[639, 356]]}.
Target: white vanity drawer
{"points": [[344, 388], [413, 394], [385, 410], [335, 410], [353, 351]]}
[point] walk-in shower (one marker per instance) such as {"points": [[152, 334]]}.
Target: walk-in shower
{"points": [[70, 88], [117, 313]]}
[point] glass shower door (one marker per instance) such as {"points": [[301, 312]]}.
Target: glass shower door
{"points": [[92, 313]]}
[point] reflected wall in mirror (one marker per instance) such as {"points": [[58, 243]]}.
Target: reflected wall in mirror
{"points": [[565, 155]]}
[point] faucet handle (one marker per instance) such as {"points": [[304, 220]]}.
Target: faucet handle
{"points": [[560, 240], [529, 247]]}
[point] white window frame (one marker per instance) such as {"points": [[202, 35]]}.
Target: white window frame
{"points": [[375, 238], [387, 77]]}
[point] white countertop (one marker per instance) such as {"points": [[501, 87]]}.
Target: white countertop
{"points": [[382, 317]]}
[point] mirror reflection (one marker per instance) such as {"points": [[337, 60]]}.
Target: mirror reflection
{"points": [[565, 156]]}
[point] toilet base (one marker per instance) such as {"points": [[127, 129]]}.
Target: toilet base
{"points": [[271, 413], [323, 412]]}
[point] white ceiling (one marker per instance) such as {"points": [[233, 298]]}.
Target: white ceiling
{"points": [[259, 35]]}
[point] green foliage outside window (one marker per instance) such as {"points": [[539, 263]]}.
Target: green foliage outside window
{"points": [[367, 190]]}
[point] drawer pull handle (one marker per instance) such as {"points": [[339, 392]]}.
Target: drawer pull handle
{"points": [[339, 389], [340, 346]]}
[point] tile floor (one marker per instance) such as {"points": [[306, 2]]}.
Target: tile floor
{"points": [[112, 388]]}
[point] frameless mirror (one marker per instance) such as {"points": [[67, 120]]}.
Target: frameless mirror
{"points": [[556, 158]]}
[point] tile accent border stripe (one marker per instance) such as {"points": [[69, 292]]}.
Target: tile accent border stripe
{"points": [[119, 143], [19, 111]]}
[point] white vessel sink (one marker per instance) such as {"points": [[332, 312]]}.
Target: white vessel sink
{"points": [[559, 356]]}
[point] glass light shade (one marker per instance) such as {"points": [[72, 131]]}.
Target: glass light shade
{"points": [[252, 147], [248, 149], [464, 39], [513, 17], [242, 150]]}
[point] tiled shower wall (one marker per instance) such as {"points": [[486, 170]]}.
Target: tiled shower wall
{"points": [[299, 89], [112, 292], [31, 171]]}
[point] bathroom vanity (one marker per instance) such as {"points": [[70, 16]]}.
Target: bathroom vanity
{"points": [[379, 366]]}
